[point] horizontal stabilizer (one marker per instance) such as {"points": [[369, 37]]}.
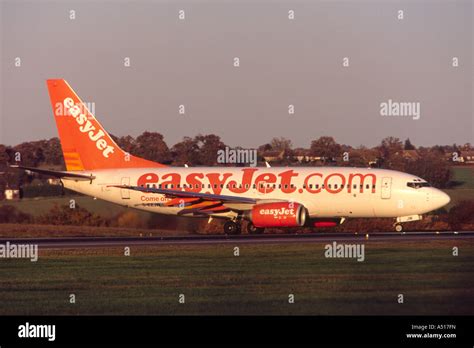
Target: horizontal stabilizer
{"points": [[56, 173]]}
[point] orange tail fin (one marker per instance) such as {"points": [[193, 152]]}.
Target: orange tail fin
{"points": [[85, 143]]}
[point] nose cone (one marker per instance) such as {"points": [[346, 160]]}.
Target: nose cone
{"points": [[440, 199]]}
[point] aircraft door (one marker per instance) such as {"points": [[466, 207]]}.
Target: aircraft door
{"points": [[386, 188], [125, 192]]}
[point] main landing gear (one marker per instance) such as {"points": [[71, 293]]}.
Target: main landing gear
{"points": [[398, 227], [232, 227], [235, 227]]}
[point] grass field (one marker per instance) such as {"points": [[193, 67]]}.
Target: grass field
{"points": [[41, 205], [214, 281], [463, 177]]}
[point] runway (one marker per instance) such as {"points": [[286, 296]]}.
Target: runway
{"points": [[100, 242]]}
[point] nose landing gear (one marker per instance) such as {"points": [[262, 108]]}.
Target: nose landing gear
{"points": [[401, 219]]}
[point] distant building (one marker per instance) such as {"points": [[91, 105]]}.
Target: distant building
{"points": [[467, 156], [271, 156], [54, 181], [12, 194], [304, 155], [373, 163]]}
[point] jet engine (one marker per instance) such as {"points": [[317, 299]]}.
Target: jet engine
{"points": [[278, 214]]}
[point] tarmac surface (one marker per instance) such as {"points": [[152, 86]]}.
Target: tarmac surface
{"points": [[91, 242]]}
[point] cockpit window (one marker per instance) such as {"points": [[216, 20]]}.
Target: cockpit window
{"points": [[417, 185]]}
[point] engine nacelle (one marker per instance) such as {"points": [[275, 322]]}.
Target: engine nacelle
{"points": [[280, 214]]}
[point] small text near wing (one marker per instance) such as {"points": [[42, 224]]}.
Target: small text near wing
{"points": [[189, 194]]}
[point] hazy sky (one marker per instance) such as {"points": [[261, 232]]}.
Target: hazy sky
{"points": [[282, 62]]}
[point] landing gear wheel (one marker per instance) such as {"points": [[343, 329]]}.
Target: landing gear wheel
{"points": [[231, 227], [398, 228], [251, 229]]}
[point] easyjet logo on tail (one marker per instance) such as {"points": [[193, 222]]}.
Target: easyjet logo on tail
{"points": [[86, 126]]}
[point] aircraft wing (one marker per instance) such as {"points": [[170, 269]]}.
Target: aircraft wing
{"points": [[56, 173], [200, 203], [189, 194]]}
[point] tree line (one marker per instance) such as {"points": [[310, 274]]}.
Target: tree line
{"points": [[430, 162]]}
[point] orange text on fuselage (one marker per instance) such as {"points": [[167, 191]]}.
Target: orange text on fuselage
{"points": [[263, 182]]}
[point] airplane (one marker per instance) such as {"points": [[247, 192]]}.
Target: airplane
{"points": [[265, 197]]}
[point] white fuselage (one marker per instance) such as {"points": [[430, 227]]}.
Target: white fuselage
{"points": [[324, 191]]}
